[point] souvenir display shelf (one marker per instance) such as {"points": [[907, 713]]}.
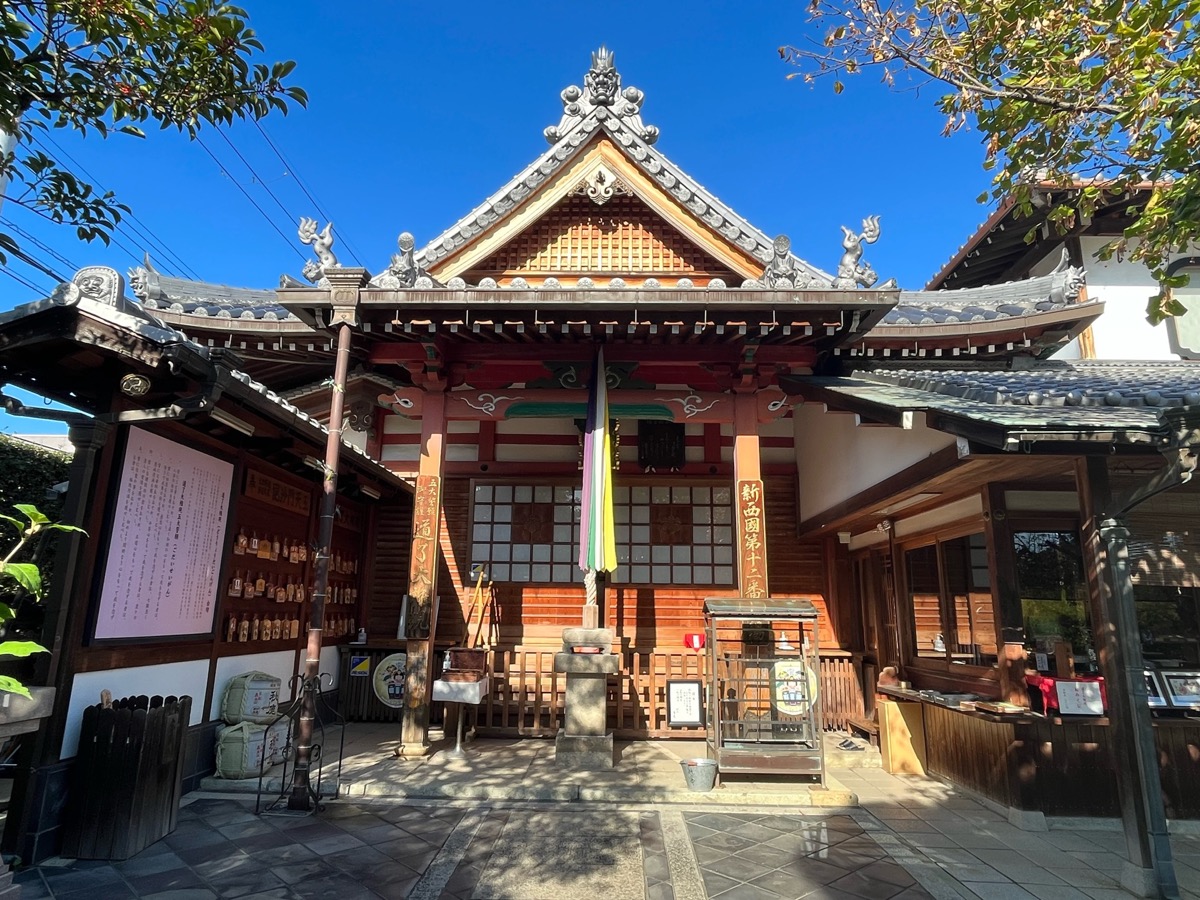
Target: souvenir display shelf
{"points": [[270, 572], [763, 709]]}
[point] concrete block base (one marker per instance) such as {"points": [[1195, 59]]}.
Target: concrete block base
{"points": [[1138, 881], [1027, 819], [584, 751]]}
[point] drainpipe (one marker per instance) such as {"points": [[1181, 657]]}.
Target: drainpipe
{"points": [[344, 286]]}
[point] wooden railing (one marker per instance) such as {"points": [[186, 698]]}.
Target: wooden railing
{"points": [[527, 695]]}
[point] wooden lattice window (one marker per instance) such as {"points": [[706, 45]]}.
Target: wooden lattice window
{"points": [[665, 534], [624, 235]]}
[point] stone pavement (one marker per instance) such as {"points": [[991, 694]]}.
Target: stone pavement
{"points": [[909, 839]]}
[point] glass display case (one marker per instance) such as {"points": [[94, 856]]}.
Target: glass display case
{"points": [[763, 710]]}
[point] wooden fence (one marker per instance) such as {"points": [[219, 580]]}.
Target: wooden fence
{"points": [[527, 695]]}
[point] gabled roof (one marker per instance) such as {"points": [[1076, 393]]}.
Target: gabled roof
{"points": [[1001, 248], [601, 107]]}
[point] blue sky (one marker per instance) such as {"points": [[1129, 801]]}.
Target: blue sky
{"points": [[418, 111]]}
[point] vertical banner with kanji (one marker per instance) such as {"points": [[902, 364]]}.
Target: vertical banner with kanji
{"points": [[423, 570], [752, 540]]}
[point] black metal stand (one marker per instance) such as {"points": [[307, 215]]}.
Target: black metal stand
{"points": [[278, 806]]}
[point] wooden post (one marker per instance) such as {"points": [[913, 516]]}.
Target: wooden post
{"points": [[423, 573], [1006, 598], [1150, 871], [749, 501]]}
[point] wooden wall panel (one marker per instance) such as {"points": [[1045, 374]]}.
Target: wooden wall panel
{"points": [[389, 569], [1062, 768]]}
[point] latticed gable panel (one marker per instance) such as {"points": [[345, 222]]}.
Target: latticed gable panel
{"points": [[621, 237]]}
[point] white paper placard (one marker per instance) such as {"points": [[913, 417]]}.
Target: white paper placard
{"points": [[164, 550], [684, 703], [1079, 698]]}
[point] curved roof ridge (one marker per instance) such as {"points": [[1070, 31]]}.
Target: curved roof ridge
{"points": [[619, 117]]}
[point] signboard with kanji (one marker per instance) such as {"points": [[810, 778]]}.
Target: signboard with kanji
{"points": [[165, 542]]}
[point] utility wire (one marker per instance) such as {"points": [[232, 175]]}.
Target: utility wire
{"points": [[15, 277], [13, 226], [246, 194], [287, 214], [291, 170], [140, 230], [36, 264]]}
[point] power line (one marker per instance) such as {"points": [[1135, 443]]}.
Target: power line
{"points": [[15, 277], [287, 214], [291, 170], [140, 230], [8, 223], [36, 264], [246, 194]]}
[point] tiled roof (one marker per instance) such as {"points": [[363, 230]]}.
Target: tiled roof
{"points": [[982, 304], [205, 300], [1085, 383], [149, 327], [620, 120]]}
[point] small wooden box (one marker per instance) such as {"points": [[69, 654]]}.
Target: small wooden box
{"points": [[463, 659], [455, 675]]}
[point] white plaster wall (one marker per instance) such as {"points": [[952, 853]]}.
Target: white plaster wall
{"points": [[1123, 332], [558, 451], [169, 679], [281, 664], [780, 428], [330, 665], [394, 424], [836, 459]]}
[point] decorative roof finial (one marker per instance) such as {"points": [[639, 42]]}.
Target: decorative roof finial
{"points": [[405, 271], [602, 88], [850, 272], [602, 80], [782, 271], [321, 243]]}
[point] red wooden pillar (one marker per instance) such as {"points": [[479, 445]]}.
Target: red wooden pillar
{"points": [[421, 602]]}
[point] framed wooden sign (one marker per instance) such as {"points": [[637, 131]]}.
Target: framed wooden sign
{"points": [[1183, 688], [165, 542], [685, 702]]}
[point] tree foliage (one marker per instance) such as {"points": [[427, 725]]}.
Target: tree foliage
{"points": [[28, 577], [1101, 96], [114, 66]]}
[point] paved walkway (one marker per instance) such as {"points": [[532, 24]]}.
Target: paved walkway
{"points": [[909, 839]]}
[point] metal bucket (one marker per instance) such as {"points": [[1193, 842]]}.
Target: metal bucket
{"points": [[700, 774]]}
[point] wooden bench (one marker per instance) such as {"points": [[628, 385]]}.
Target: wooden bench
{"points": [[867, 727]]}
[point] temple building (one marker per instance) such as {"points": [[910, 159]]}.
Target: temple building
{"points": [[917, 464]]}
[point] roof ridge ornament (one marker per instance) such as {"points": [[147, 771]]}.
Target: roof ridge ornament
{"points": [[601, 186], [602, 91], [851, 272], [322, 243], [782, 271], [144, 282], [404, 271]]}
